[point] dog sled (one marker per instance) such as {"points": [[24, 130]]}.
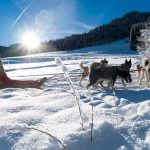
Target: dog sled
{"points": [[6, 82]]}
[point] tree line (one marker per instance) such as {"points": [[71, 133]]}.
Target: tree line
{"points": [[117, 29]]}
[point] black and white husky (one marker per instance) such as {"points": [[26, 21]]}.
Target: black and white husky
{"points": [[110, 74]]}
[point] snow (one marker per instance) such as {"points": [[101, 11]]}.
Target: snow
{"points": [[121, 121]]}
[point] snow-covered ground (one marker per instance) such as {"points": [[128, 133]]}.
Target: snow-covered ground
{"points": [[120, 123]]}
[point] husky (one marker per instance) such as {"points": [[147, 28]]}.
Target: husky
{"points": [[126, 68], [145, 72], [110, 74], [138, 71], [86, 70]]}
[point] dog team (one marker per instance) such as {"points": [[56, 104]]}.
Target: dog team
{"points": [[98, 73], [101, 72]]}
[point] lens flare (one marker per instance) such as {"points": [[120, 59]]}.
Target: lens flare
{"points": [[30, 40]]}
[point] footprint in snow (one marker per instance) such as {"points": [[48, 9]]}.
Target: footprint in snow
{"points": [[104, 105], [7, 96], [96, 102], [86, 100], [96, 99]]}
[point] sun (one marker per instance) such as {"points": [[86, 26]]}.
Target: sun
{"points": [[30, 40]]}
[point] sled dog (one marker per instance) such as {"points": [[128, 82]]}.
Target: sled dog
{"points": [[145, 72], [138, 71], [110, 74], [125, 67], [86, 69]]}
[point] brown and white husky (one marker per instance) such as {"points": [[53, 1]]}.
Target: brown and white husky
{"points": [[145, 72]]}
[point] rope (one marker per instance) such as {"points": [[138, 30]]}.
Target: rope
{"points": [[136, 70], [71, 73]]}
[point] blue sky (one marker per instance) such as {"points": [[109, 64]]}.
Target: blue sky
{"points": [[53, 19]]}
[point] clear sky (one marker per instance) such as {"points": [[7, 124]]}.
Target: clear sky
{"points": [[53, 19]]}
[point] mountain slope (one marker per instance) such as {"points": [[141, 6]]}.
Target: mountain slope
{"points": [[118, 47], [117, 29]]}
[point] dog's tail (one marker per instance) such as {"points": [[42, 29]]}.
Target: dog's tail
{"points": [[81, 64]]}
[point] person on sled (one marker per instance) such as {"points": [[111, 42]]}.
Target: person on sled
{"points": [[6, 82]]}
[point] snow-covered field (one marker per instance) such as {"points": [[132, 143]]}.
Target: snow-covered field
{"points": [[54, 109]]}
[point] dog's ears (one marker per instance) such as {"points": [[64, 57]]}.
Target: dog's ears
{"points": [[126, 61], [130, 62]]}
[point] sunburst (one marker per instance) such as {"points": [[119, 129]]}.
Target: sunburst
{"points": [[30, 40]]}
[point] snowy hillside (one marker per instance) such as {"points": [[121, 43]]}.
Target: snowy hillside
{"points": [[118, 47], [120, 123]]}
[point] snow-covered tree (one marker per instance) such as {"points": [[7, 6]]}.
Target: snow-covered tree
{"points": [[144, 41]]}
